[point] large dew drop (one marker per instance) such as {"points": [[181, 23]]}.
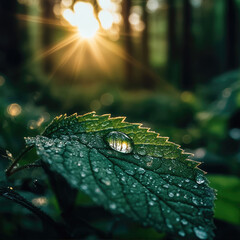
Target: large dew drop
{"points": [[119, 142], [200, 179]]}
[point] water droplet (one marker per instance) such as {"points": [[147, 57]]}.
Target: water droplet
{"points": [[123, 179], [112, 206], [113, 193], [109, 171], [200, 179], [171, 194], [81, 154], [60, 144], [184, 221], [136, 156], [30, 140], [84, 187], [151, 203], [141, 170], [141, 151], [130, 172], [169, 223], [200, 232], [181, 233], [96, 169], [83, 174], [106, 181], [97, 190], [187, 180], [166, 185], [154, 198], [119, 142], [195, 201]]}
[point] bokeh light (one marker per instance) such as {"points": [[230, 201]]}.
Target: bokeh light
{"points": [[105, 4], [152, 5], [106, 19], [14, 109], [67, 3], [107, 99], [40, 201], [95, 105], [2, 81]]}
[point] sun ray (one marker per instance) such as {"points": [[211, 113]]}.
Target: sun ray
{"points": [[120, 52], [66, 57], [97, 53], [59, 46], [36, 19]]}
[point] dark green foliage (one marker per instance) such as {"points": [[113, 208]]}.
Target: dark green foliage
{"points": [[130, 170], [228, 197]]}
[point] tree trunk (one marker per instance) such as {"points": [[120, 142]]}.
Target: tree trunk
{"points": [[10, 54], [47, 13], [231, 35], [147, 81], [173, 51], [126, 6], [187, 81]]}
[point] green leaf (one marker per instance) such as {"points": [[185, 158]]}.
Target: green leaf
{"points": [[228, 197], [132, 171]]}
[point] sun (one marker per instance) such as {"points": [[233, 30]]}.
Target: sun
{"points": [[82, 17]]}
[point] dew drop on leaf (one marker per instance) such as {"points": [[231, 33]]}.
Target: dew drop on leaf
{"points": [[181, 233], [171, 194], [129, 172], [166, 185], [106, 182], [141, 170], [184, 221], [200, 179], [151, 203], [112, 206], [119, 142], [142, 151], [200, 232]]}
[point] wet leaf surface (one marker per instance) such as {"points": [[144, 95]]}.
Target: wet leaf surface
{"points": [[132, 171]]}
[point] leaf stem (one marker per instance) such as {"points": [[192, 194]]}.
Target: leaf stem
{"points": [[18, 158], [46, 219], [32, 165]]}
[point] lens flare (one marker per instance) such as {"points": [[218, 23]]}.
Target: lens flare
{"points": [[106, 19], [105, 4], [70, 16], [83, 18]]}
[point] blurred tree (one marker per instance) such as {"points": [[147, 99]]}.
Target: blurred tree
{"points": [[47, 13], [231, 34], [10, 55], [147, 80], [187, 80], [173, 51], [126, 6]]}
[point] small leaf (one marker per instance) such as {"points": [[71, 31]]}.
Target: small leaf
{"points": [[132, 171]]}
